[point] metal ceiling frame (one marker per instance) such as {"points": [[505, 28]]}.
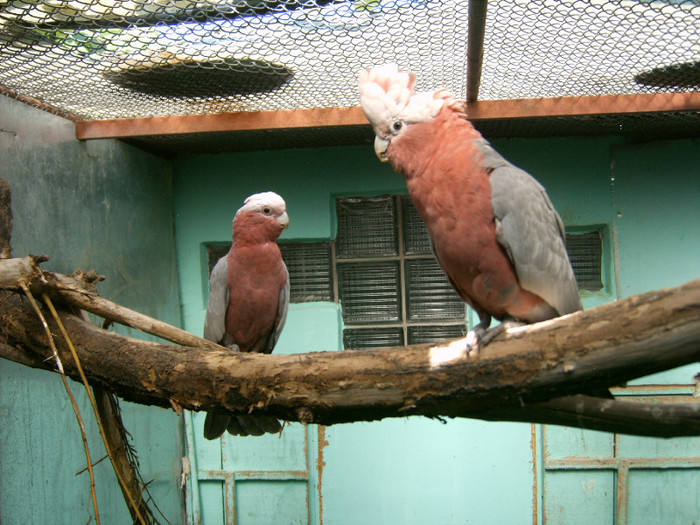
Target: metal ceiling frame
{"points": [[353, 116], [475, 47]]}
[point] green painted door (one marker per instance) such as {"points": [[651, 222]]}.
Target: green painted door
{"points": [[254, 480], [599, 478], [271, 479]]}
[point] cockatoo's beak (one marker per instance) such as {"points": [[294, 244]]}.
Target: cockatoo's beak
{"points": [[380, 147], [283, 220]]}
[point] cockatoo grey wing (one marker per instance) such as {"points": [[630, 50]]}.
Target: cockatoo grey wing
{"points": [[215, 320], [282, 309], [532, 233], [214, 330]]}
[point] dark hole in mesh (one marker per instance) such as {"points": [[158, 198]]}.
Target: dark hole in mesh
{"points": [[686, 75], [202, 79], [214, 253]]}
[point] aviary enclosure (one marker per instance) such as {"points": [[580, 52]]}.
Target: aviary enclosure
{"points": [[177, 92]]}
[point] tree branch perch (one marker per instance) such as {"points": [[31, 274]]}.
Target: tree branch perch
{"points": [[535, 373]]}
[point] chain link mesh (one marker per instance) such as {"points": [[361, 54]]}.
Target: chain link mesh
{"points": [[102, 59]]}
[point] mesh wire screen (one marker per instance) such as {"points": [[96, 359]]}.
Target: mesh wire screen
{"points": [[310, 271], [366, 227], [391, 292], [308, 264], [430, 296], [415, 235], [430, 334], [100, 59], [586, 255], [370, 292], [365, 338]]}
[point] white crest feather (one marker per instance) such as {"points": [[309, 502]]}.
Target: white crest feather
{"points": [[386, 94]]}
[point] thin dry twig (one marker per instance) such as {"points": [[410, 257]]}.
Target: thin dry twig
{"points": [[93, 402], [76, 409]]}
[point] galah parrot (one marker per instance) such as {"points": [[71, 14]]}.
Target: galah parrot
{"points": [[248, 299], [493, 227]]}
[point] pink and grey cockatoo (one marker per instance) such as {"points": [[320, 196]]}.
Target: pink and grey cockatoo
{"points": [[248, 299], [494, 229]]}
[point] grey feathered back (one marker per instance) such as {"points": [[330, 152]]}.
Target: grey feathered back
{"points": [[215, 320], [531, 232]]}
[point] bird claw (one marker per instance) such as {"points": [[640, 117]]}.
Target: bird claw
{"points": [[472, 343], [479, 336]]}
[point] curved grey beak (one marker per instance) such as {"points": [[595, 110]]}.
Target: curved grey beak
{"points": [[380, 147]]}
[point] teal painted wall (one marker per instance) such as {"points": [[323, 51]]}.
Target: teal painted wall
{"points": [[101, 205], [105, 205], [418, 470]]}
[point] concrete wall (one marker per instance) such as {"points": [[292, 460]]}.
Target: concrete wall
{"points": [[101, 205]]}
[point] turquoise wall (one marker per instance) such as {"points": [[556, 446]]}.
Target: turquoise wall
{"points": [[105, 205], [419, 470], [101, 205]]}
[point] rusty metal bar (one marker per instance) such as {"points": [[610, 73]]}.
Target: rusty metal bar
{"points": [[38, 104], [243, 121], [475, 47], [588, 105], [354, 116]]}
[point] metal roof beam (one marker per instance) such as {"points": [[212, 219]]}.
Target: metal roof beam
{"points": [[475, 47], [354, 116]]}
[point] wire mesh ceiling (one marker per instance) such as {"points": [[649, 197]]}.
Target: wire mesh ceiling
{"points": [[105, 59]]}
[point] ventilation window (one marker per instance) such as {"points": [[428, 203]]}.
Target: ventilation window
{"points": [[367, 227], [391, 288], [586, 255], [309, 265], [310, 271], [214, 253]]}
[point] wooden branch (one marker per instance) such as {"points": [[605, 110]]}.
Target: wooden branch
{"points": [[5, 219], [116, 439], [73, 291], [594, 413], [80, 291], [516, 377]]}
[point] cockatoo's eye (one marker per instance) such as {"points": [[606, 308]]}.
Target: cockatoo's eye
{"points": [[267, 211], [396, 126]]}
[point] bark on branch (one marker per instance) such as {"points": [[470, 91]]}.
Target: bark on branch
{"points": [[535, 373]]}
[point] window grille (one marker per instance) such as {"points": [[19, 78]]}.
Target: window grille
{"points": [[586, 256], [309, 265], [391, 289], [366, 227], [310, 270]]}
